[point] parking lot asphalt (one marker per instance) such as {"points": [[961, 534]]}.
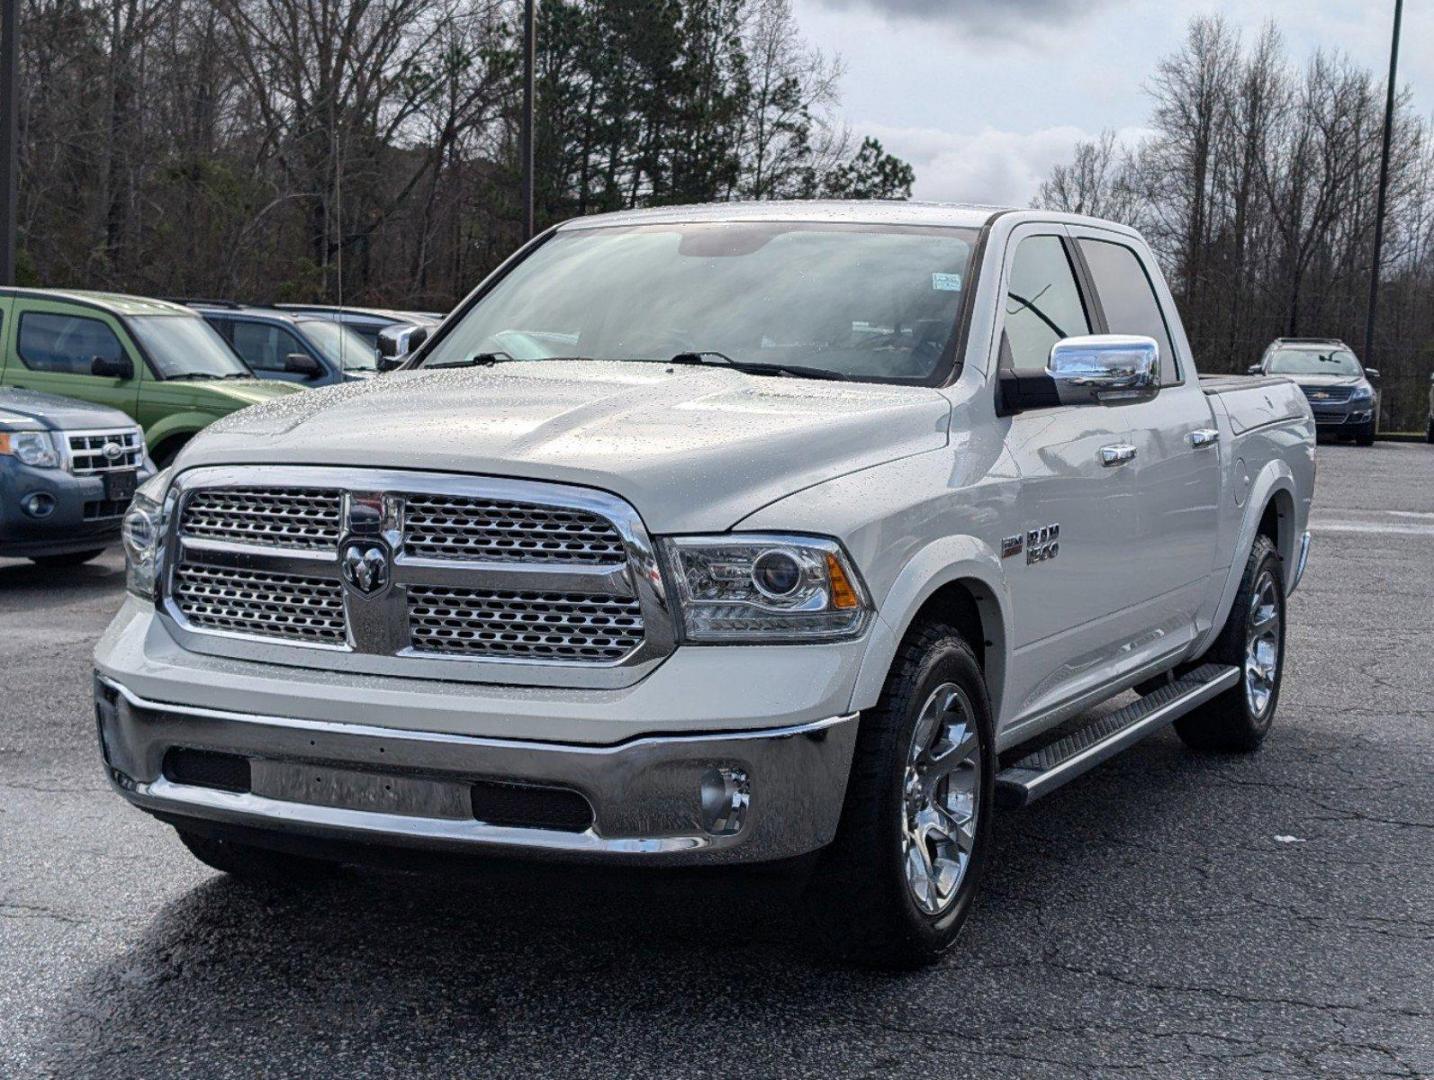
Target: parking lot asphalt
{"points": [[1170, 914]]}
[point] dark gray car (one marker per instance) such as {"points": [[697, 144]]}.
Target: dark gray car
{"points": [[308, 349], [1342, 393], [68, 470]]}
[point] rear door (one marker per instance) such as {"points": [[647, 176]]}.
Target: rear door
{"points": [[1177, 454], [1068, 550], [53, 344]]}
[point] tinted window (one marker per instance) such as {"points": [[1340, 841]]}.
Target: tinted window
{"points": [[1043, 304], [67, 344], [263, 346], [1128, 299]]}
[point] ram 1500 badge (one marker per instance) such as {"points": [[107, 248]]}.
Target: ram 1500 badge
{"points": [[694, 536]]}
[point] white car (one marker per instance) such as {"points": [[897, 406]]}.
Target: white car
{"points": [[720, 535]]}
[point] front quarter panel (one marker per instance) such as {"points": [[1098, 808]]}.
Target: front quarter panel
{"points": [[912, 526]]}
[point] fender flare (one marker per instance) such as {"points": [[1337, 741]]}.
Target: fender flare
{"points": [[1274, 480], [187, 424], [942, 562]]}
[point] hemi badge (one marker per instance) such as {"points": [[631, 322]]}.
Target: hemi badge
{"points": [[1011, 545]]}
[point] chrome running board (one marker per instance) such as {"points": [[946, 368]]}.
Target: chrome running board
{"points": [[1042, 771]]}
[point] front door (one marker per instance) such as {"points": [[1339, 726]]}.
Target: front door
{"points": [[1075, 515]]}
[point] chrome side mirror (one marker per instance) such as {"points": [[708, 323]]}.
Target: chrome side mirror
{"points": [[1109, 369]]}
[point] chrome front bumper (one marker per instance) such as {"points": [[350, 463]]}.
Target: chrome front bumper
{"points": [[768, 794]]}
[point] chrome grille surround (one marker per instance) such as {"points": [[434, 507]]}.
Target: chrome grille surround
{"points": [[582, 606], [85, 450], [274, 517]]}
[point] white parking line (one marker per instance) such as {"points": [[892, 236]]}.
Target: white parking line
{"points": [[1389, 522]]}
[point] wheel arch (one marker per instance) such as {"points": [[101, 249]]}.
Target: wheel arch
{"points": [[1270, 511], [957, 580]]}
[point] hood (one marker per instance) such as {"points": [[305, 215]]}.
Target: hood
{"points": [[29, 409], [1313, 381], [690, 448], [218, 396]]}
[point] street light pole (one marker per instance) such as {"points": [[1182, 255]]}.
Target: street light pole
{"points": [[9, 126], [1383, 187], [525, 149]]}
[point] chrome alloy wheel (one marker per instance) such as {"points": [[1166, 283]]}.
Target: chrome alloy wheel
{"points": [[1262, 644], [941, 797]]}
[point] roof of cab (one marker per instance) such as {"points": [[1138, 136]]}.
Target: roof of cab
{"points": [[853, 211], [114, 303]]}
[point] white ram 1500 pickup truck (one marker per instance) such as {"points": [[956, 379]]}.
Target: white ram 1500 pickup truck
{"points": [[719, 535]]}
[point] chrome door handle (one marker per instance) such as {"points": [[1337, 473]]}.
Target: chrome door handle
{"points": [[1204, 437], [1118, 454]]}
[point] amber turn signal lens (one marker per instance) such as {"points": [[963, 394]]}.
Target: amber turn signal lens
{"points": [[844, 596]]}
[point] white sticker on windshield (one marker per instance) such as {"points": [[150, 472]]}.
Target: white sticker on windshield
{"points": [[946, 282]]}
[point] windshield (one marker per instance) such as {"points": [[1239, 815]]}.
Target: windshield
{"points": [[186, 347], [340, 344], [860, 301], [1331, 361]]}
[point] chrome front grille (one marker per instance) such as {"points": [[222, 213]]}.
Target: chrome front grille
{"points": [[1320, 394], [409, 573], [287, 606], [523, 625], [445, 527], [281, 518], [94, 453]]}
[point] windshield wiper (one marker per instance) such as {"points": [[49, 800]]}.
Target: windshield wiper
{"points": [[796, 371], [185, 376]]}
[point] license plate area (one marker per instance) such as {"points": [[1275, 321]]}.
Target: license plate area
{"points": [[355, 789], [119, 486]]}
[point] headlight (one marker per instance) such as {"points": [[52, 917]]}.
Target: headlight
{"points": [[34, 448], [751, 587], [1362, 393], [143, 534]]}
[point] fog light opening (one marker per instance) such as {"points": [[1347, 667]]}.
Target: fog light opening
{"points": [[38, 504], [726, 794]]}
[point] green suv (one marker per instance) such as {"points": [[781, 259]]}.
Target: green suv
{"points": [[161, 363]]}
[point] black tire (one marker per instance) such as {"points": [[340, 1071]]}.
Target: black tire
{"points": [[69, 558], [861, 905], [1230, 722], [1365, 435], [252, 863]]}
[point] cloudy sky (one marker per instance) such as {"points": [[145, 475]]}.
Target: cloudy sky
{"points": [[983, 96]]}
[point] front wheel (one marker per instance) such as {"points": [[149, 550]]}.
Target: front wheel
{"points": [[1254, 641], [1365, 435], [895, 887]]}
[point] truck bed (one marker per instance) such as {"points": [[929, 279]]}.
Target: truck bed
{"points": [[1255, 400]]}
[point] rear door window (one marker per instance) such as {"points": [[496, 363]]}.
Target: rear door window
{"points": [[1128, 299], [65, 344], [1043, 303]]}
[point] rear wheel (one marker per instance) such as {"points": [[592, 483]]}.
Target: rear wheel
{"points": [[69, 558], [1254, 641], [254, 863], [895, 887]]}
